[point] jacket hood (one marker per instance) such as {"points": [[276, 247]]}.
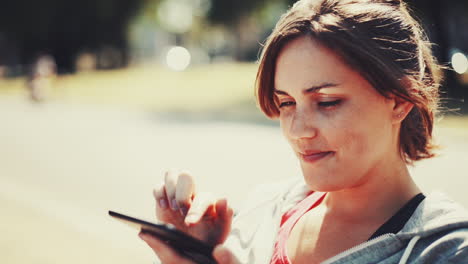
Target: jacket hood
{"points": [[435, 233], [436, 213]]}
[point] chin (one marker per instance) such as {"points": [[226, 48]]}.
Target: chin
{"points": [[323, 183]]}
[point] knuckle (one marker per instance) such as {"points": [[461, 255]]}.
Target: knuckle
{"points": [[159, 191], [184, 181], [185, 176], [171, 176], [183, 194], [170, 188], [185, 187]]}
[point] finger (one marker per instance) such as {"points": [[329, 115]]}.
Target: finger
{"points": [[165, 253], [224, 256], [227, 213], [223, 210], [202, 206], [159, 193], [185, 189], [224, 215], [170, 180]]}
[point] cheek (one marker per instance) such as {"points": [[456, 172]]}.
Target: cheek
{"points": [[285, 123], [363, 135], [352, 134], [356, 144]]}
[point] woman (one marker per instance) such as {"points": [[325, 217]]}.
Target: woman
{"points": [[355, 88]]}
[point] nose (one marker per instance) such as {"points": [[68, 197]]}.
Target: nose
{"points": [[302, 126]]}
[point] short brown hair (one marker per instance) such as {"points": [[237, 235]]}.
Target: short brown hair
{"points": [[381, 41]]}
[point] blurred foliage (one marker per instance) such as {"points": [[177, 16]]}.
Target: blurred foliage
{"points": [[229, 12], [65, 28]]}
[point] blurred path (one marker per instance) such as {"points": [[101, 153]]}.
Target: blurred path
{"points": [[63, 166]]}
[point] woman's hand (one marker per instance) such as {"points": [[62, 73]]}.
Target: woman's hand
{"points": [[197, 214], [168, 256]]}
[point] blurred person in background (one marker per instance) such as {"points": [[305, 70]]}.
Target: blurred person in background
{"points": [[3, 71], [355, 87], [40, 77]]}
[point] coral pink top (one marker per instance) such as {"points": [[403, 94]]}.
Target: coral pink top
{"points": [[288, 221]]}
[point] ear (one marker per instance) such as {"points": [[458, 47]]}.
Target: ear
{"points": [[400, 110]]}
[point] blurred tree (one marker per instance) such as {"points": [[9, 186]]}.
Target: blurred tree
{"points": [[234, 16], [445, 21], [65, 28], [229, 12]]}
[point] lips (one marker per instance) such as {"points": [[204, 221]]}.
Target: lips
{"points": [[314, 156]]}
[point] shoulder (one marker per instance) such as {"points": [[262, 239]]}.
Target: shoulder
{"points": [[444, 247], [436, 214], [440, 227]]}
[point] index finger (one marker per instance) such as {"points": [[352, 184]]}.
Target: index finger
{"points": [[201, 205], [185, 191]]}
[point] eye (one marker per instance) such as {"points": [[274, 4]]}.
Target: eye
{"points": [[329, 104], [285, 104]]}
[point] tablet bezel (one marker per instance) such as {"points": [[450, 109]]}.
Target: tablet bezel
{"points": [[184, 244]]}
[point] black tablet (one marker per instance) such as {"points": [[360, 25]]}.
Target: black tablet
{"points": [[186, 245]]}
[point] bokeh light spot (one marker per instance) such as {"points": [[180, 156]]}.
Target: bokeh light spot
{"points": [[459, 62], [178, 58]]}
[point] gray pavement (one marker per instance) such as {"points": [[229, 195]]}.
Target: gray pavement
{"points": [[64, 165]]}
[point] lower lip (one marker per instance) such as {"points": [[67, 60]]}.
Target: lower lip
{"points": [[315, 157]]}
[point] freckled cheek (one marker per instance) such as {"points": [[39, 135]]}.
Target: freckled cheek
{"points": [[349, 139], [285, 124], [356, 144]]}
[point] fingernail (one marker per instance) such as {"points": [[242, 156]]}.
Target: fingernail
{"points": [[163, 203], [174, 205], [183, 210]]}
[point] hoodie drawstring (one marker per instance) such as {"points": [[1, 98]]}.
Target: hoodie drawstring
{"points": [[408, 250]]}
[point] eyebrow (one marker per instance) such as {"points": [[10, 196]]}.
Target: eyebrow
{"points": [[313, 89]]}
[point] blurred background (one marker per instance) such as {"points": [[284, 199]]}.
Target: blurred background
{"points": [[99, 97]]}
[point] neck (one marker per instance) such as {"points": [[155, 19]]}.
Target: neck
{"points": [[380, 194]]}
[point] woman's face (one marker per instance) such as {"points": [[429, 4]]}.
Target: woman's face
{"points": [[338, 125]]}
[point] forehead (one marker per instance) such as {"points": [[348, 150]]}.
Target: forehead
{"points": [[304, 62]]}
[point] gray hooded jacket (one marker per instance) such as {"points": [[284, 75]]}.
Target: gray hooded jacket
{"points": [[437, 232]]}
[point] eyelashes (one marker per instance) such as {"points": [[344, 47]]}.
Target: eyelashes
{"points": [[323, 104], [329, 103], [285, 104]]}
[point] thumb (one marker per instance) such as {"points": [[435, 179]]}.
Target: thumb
{"points": [[224, 255]]}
